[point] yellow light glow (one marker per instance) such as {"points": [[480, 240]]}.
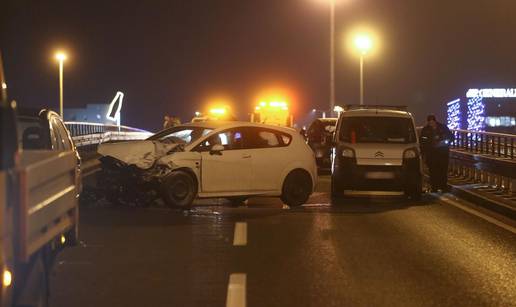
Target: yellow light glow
{"points": [[7, 278], [263, 103], [363, 43], [363, 40], [61, 56], [218, 111], [63, 239], [4, 85]]}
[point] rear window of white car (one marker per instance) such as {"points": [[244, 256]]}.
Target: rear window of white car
{"points": [[369, 129], [266, 138]]}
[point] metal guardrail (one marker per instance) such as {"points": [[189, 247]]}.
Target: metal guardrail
{"points": [[478, 142], [485, 158], [87, 136]]}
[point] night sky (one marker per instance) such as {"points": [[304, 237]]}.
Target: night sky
{"points": [[170, 56]]}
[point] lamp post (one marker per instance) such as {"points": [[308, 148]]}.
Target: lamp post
{"points": [[61, 57], [332, 54], [363, 43]]}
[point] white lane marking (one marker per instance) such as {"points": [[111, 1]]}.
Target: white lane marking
{"points": [[478, 214], [236, 290], [240, 237]]}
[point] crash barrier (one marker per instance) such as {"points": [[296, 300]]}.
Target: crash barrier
{"points": [[87, 136], [484, 157]]}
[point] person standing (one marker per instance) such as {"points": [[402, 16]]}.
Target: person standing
{"points": [[166, 122], [435, 146]]}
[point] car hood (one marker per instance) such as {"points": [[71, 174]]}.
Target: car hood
{"points": [[142, 154]]}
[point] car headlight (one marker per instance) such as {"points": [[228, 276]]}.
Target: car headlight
{"points": [[410, 153], [348, 153]]}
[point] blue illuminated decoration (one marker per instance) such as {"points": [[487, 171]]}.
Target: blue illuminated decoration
{"points": [[454, 118], [476, 114]]}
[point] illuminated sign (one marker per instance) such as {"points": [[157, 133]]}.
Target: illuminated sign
{"points": [[454, 114], [491, 93]]}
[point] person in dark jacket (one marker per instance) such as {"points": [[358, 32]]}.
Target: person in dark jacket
{"points": [[435, 146]]}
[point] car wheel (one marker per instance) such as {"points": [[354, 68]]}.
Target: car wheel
{"points": [[179, 189], [237, 200], [297, 187]]}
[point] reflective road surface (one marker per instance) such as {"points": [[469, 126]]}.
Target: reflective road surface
{"points": [[357, 252]]}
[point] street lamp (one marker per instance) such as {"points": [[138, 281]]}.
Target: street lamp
{"points": [[332, 50], [60, 57], [363, 43]]}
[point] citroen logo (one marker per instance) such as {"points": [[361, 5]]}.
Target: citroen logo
{"points": [[378, 154]]}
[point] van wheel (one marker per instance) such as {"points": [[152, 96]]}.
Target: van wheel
{"points": [[336, 190], [179, 189], [237, 200], [414, 192], [297, 188]]}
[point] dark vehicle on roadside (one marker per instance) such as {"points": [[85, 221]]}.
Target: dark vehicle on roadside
{"points": [[319, 137], [39, 208]]}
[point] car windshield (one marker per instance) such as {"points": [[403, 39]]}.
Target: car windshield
{"points": [[377, 130], [181, 135]]}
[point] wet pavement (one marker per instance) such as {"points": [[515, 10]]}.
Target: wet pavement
{"points": [[357, 252]]}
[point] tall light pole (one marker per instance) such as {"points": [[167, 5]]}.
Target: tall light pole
{"points": [[61, 57], [363, 43], [332, 55]]}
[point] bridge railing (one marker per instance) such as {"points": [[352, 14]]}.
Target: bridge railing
{"points": [[488, 143], [87, 136], [486, 158]]}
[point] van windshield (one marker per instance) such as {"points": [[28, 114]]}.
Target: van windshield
{"points": [[377, 130]]}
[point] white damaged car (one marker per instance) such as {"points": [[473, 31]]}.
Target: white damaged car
{"points": [[234, 160]]}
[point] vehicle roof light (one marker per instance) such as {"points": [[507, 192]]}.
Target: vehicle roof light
{"points": [[7, 278]]}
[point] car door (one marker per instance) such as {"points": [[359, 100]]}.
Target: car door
{"points": [[230, 169], [270, 155]]}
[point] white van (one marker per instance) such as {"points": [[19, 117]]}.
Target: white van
{"points": [[376, 149]]}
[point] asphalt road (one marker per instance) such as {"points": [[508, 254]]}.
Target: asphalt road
{"points": [[358, 252]]}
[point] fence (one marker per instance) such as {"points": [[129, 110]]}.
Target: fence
{"points": [[494, 144], [87, 136], [484, 157]]}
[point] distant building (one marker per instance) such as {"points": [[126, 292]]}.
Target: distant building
{"points": [[492, 110], [92, 113]]}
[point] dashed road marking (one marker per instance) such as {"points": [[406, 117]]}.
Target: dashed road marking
{"points": [[240, 237], [481, 215], [236, 296]]}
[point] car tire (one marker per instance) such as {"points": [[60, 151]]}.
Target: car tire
{"points": [[297, 188], [237, 200], [179, 189]]}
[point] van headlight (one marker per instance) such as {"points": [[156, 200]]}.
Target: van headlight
{"points": [[348, 153], [410, 153]]}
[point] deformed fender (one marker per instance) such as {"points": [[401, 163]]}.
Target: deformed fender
{"points": [[190, 161]]}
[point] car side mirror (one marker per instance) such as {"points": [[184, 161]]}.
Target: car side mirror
{"points": [[216, 149]]}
